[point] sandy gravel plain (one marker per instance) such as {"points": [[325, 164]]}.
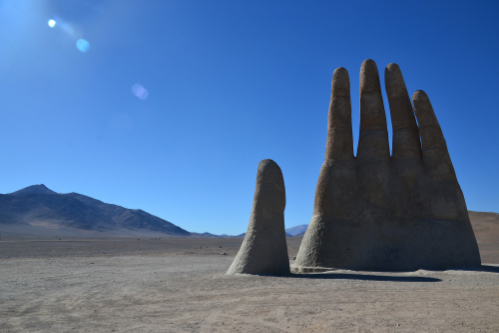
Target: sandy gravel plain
{"points": [[178, 285]]}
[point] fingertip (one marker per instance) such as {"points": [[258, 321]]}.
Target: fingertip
{"points": [[341, 74], [423, 109], [392, 67], [268, 170], [369, 67], [267, 161], [340, 71], [369, 77], [392, 71], [368, 62], [268, 165], [341, 82], [394, 82], [420, 96]]}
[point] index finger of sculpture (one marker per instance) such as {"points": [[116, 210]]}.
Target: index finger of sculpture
{"points": [[406, 144], [436, 159], [339, 132]]}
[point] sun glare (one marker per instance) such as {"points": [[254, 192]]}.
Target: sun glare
{"points": [[52, 23]]}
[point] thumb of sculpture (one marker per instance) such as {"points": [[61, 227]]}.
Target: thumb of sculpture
{"points": [[264, 249]]}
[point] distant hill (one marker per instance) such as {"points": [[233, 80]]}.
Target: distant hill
{"points": [[244, 234], [40, 207], [294, 231], [485, 226], [207, 235]]}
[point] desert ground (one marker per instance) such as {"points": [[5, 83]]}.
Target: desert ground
{"points": [[179, 285]]}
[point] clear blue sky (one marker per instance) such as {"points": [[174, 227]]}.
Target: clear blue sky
{"points": [[229, 83]]}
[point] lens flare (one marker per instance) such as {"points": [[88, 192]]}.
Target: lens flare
{"points": [[140, 91], [51, 23], [82, 45]]}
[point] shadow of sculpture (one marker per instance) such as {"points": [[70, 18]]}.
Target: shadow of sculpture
{"points": [[484, 268], [365, 277]]}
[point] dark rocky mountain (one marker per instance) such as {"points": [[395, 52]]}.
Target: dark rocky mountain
{"points": [[41, 189], [41, 207]]}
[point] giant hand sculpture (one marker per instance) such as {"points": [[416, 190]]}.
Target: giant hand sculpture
{"points": [[381, 212]]}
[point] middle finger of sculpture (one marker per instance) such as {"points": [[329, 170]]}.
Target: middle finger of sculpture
{"points": [[381, 212]]}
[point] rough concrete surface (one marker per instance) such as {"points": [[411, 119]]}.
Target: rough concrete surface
{"points": [[180, 286], [379, 212], [264, 250]]}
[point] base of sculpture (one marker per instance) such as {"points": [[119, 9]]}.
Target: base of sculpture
{"points": [[404, 245]]}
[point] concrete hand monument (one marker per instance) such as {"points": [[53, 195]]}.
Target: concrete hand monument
{"points": [[264, 249], [374, 211]]}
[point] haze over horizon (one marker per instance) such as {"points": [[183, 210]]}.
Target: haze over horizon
{"points": [[170, 105]]}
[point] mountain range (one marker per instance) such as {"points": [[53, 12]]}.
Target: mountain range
{"points": [[36, 207]]}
